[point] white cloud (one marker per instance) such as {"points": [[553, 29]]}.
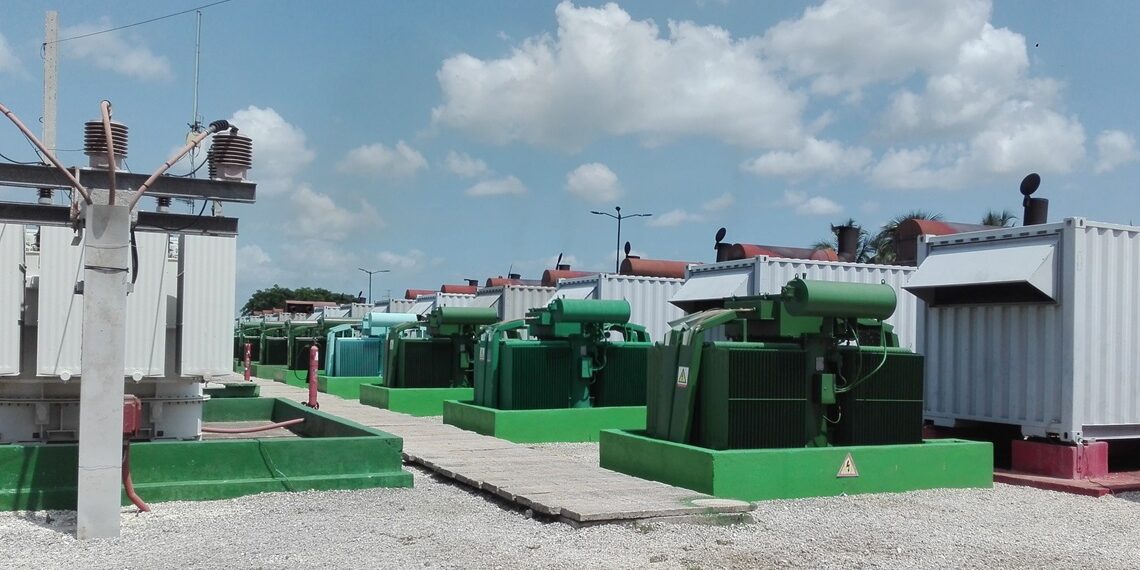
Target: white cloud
{"points": [[410, 261], [606, 74], [815, 157], [675, 218], [810, 206], [8, 60], [114, 52], [497, 187], [280, 150], [317, 216], [844, 45], [462, 164], [719, 203], [1114, 149], [257, 265], [594, 182], [379, 160]]}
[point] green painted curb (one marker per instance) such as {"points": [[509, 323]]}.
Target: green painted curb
{"points": [[542, 426], [332, 453], [412, 401], [762, 474], [347, 387], [234, 390]]}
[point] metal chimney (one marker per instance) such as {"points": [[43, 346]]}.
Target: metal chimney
{"points": [[1036, 209], [848, 242]]}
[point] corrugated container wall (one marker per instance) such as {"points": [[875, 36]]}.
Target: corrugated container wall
{"points": [[767, 275], [11, 296], [513, 301], [648, 297], [397, 306], [208, 271], [1067, 366], [146, 307], [449, 300], [59, 327]]}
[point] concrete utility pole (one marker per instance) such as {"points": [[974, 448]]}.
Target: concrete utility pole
{"points": [[51, 87], [106, 251]]}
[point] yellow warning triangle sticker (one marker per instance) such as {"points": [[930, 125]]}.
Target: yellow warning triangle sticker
{"points": [[848, 468]]}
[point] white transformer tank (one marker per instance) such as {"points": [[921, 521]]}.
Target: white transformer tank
{"points": [[178, 324], [648, 297], [706, 285], [1034, 327], [513, 301]]}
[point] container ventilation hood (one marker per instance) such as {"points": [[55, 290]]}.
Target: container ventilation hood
{"points": [[981, 274]]}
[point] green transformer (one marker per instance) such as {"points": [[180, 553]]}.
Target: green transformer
{"points": [[438, 353], [576, 354], [812, 366]]}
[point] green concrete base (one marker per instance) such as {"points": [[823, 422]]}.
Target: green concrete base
{"points": [[332, 453], [761, 474], [347, 387], [281, 373], [268, 371], [412, 401], [233, 390], [543, 426]]}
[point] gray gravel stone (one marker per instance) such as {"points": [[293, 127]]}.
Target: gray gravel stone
{"points": [[441, 525]]}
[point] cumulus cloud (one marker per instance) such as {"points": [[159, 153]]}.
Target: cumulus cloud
{"points": [[8, 60], [675, 218], [462, 164], [115, 52], [804, 205], [594, 182], [1114, 149], [719, 203], [257, 265], [607, 74], [280, 149], [317, 216], [379, 160], [497, 187], [844, 45], [814, 157], [409, 261]]}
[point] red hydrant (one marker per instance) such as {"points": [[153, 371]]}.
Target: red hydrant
{"points": [[314, 359]]}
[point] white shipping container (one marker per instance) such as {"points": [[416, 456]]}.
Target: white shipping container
{"points": [[398, 306], [648, 297], [1034, 327], [706, 284], [11, 296], [146, 308], [448, 300], [513, 301]]}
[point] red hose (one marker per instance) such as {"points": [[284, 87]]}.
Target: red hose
{"points": [[266, 427], [127, 483]]}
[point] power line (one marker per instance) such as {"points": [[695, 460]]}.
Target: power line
{"points": [[115, 29]]}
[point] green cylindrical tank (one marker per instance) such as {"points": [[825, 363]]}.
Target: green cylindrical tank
{"points": [[590, 311], [839, 300], [467, 315]]}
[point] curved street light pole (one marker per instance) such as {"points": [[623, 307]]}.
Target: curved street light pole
{"points": [[370, 273], [619, 217]]}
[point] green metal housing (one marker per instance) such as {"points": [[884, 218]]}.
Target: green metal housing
{"points": [[443, 357], [810, 367]]}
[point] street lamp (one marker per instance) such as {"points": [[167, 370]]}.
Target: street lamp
{"points": [[619, 217], [370, 279]]}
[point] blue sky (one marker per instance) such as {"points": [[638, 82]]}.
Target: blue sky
{"points": [[452, 140]]}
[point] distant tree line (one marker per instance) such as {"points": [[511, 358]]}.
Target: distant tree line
{"points": [[275, 296], [880, 246]]}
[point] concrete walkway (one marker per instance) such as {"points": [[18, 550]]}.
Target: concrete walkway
{"points": [[574, 491]]}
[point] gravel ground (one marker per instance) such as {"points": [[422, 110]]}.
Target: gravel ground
{"points": [[440, 525]]}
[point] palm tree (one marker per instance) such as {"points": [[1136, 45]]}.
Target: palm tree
{"points": [[1002, 219], [884, 242]]}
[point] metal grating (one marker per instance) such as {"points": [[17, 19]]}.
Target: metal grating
{"points": [[11, 296], [357, 357], [207, 267], [425, 363], [622, 381], [751, 398], [887, 408], [536, 376]]}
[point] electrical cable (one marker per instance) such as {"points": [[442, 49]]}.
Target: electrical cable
{"points": [[123, 27], [192, 222], [13, 161], [134, 258]]}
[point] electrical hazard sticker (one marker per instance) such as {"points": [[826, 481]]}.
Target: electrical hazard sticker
{"points": [[847, 469], [682, 376]]}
